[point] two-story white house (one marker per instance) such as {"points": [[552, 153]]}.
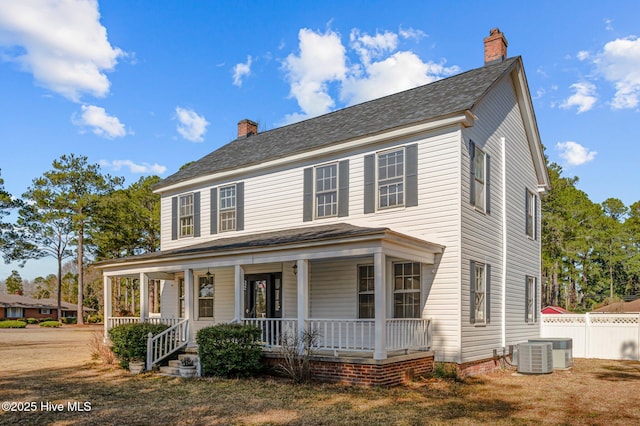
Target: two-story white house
{"points": [[398, 229]]}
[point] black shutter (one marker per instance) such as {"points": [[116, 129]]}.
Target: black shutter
{"points": [[487, 292], [214, 211], [369, 183], [196, 214], [307, 200], [343, 188], [526, 298], [411, 175], [472, 293], [240, 206], [487, 183], [174, 218], [472, 173]]}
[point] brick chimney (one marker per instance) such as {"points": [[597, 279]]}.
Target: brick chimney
{"points": [[247, 128], [495, 47]]}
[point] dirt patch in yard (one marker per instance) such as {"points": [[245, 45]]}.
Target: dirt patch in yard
{"points": [[594, 392]]}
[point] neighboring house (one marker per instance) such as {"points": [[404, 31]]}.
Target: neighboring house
{"points": [[14, 306], [619, 307], [407, 222], [554, 310]]}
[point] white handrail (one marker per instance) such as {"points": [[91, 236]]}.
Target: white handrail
{"points": [[170, 340], [116, 321]]}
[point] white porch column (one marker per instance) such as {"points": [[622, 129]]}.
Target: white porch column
{"points": [[380, 295], [188, 294], [144, 296], [108, 304], [239, 290], [303, 296]]}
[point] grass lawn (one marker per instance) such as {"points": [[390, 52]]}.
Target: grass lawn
{"points": [[593, 392]]}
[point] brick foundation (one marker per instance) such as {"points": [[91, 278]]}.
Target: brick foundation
{"points": [[394, 371], [477, 368]]}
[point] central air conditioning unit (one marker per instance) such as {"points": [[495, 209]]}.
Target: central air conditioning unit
{"points": [[535, 358], [562, 350]]}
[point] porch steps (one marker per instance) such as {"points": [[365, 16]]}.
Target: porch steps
{"points": [[173, 367]]}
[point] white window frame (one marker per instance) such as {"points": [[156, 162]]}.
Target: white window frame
{"points": [[203, 279], [13, 312], [45, 311], [387, 182], [531, 300], [369, 289], [227, 208], [181, 299], [480, 179], [404, 291], [186, 217], [324, 191], [480, 302], [531, 215]]}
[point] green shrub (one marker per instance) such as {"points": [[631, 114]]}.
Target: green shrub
{"points": [[32, 321], [69, 320], [12, 324], [46, 319], [129, 341], [443, 370], [94, 318], [50, 324], [229, 350]]}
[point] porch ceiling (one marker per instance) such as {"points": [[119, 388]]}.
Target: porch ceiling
{"points": [[325, 236]]}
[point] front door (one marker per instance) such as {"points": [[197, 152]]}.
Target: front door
{"points": [[263, 295]]}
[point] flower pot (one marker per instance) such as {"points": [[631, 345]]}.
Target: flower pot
{"points": [[187, 371], [136, 367]]}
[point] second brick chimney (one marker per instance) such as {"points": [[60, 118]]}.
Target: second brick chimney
{"points": [[247, 128], [495, 47]]}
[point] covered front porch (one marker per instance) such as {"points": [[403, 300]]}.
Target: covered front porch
{"points": [[358, 290]]}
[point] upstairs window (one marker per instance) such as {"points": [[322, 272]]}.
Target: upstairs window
{"points": [[391, 179], [326, 190], [530, 207], [479, 179], [186, 215], [228, 208]]}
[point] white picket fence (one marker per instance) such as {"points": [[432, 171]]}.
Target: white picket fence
{"points": [[597, 335]]}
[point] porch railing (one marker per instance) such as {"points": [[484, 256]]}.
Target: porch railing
{"points": [[273, 329], [348, 334], [115, 321], [163, 344]]}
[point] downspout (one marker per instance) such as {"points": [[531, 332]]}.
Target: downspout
{"points": [[504, 242]]}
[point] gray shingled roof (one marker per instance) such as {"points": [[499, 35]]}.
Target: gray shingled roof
{"points": [[443, 97], [266, 239]]}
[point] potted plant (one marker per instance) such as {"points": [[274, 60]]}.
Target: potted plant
{"points": [[136, 365], [187, 367]]}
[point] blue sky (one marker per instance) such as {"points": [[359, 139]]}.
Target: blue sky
{"points": [[143, 87]]}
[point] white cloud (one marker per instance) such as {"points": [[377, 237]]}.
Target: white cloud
{"points": [[101, 123], [191, 126], [143, 168], [377, 69], [411, 33], [582, 55], [401, 71], [321, 60], [608, 24], [61, 43], [619, 63], [574, 153], [240, 71], [584, 97]]}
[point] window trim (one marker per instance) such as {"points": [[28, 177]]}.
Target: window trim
{"points": [[192, 215], [334, 190], [18, 310], [45, 311], [402, 176], [200, 298], [531, 214], [233, 209], [531, 316], [367, 292], [407, 291], [182, 307], [479, 266], [476, 181]]}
